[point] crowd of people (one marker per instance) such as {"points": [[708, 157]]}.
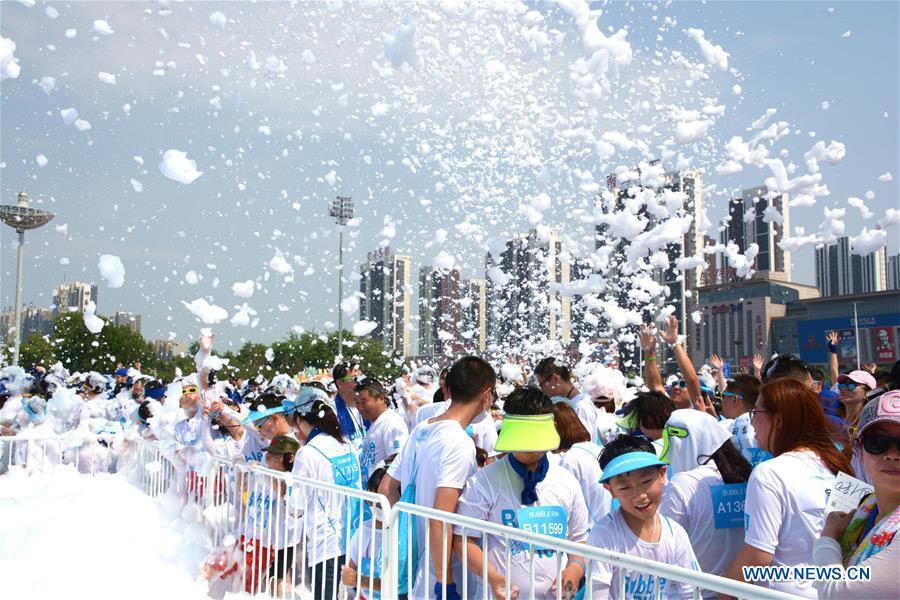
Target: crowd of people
{"points": [[708, 470]]}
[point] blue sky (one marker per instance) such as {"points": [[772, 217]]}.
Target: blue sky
{"points": [[261, 193]]}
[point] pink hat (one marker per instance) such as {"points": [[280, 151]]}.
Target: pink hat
{"points": [[885, 407], [861, 377]]}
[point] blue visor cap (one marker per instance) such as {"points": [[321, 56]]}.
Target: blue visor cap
{"points": [[259, 415], [632, 461]]}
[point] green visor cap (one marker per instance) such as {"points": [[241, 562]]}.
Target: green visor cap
{"points": [[527, 433]]}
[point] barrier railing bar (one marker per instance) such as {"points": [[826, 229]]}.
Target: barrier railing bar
{"points": [[705, 580]]}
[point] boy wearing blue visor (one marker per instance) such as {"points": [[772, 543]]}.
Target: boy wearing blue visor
{"points": [[635, 477]]}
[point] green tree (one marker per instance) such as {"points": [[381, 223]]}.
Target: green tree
{"points": [[81, 350], [36, 351], [250, 361]]}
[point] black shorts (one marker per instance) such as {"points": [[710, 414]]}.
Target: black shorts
{"points": [[283, 563]]}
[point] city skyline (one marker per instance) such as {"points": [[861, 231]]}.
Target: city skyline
{"points": [[271, 167]]}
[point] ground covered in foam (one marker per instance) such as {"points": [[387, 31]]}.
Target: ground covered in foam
{"points": [[65, 535]]}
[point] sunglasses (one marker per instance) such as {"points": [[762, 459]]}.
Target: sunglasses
{"points": [[879, 444], [190, 389], [732, 394], [847, 386]]}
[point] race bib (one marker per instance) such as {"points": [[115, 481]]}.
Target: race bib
{"points": [[345, 469], [728, 505], [545, 520]]}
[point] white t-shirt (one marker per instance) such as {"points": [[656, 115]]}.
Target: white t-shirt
{"points": [[582, 461], [252, 444], [673, 548], [494, 494], [385, 438], [323, 512], [743, 436], [785, 511], [270, 515], [583, 405], [688, 500], [441, 455], [363, 552], [482, 429]]}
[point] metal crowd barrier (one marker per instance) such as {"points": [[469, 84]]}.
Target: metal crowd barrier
{"points": [[271, 526], [451, 523], [32, 454]]}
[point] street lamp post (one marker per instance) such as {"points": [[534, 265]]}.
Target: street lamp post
{"points": [[22, 218], [341, 211]]}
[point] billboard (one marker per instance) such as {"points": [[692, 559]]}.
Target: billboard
{"points": [[878, 338], [846, 343], [884, 344]]}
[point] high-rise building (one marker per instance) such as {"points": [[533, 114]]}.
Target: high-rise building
{"points": [[35, 319], [839, 272], [893, 272], [762, 218], [473, 315], [524, 302], [165, 349], [439, 312], [386, 289], [128, 319], [74, 296], [619, 273]]}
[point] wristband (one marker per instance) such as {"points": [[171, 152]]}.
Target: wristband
{"points": [[450, 588], [650, 359], [578, 561], [832, 348]]}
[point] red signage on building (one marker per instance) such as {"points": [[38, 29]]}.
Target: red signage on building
{"points": [[884, 344]]}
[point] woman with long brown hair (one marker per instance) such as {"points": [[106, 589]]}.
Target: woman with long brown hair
{"points": [[786, 496]]}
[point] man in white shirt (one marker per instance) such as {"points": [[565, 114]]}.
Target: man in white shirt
{"points": [[386, 435], [482, 429], [352, 425], [437, 459]]}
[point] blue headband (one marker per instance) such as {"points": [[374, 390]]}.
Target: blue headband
{"points": [[155, 393]]}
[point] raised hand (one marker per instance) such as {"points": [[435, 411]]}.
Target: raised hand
{"points": [[716, 361], [832, 337], [703, 405], [758, 362], [647, 337], [670, 334], [206, 341]]}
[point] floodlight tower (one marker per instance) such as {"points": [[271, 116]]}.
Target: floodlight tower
{"points": [[22, 218], [341, 211]]}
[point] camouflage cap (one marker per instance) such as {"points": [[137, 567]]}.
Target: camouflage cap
{"points": [[283, 444]]}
